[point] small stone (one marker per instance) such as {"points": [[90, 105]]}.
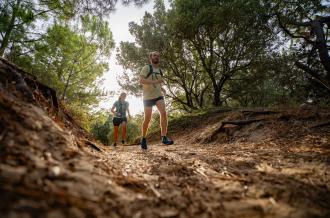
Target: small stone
{"points": [[272, 200], [37, 125], [169, 213], [56, 170]]}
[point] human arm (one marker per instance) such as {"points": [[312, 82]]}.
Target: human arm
{"points": [[129, 114], [114, 110]]}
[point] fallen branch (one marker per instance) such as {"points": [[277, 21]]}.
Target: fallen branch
{"points": [[154, 190], [92, 145]]}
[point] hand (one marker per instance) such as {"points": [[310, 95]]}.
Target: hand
{"points": [[158, 81]]}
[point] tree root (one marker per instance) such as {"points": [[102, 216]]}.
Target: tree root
{"points": [[233, 122], [325, 123], [255, 113]]}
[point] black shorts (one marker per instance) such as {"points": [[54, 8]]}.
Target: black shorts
{"points": [[152, 102], [118, 120]]}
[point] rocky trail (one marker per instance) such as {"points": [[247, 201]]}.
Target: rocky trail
{"points": [[228, 163]]}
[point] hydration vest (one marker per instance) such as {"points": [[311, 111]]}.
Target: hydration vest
{"points": [[151, 71]]}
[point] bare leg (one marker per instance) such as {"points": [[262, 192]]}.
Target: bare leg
{"points": [[115, 134], [123, 131], [147, 118], [163, 116]]}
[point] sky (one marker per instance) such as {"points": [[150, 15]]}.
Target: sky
{"points": [[119, 26]]}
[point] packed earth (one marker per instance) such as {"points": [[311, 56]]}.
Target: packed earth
{"points": [[257, 162]]}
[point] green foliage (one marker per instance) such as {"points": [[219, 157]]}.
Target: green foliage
{"points": [[182, 72], [73, 52], [133, 132], [101, 126], [133, 56], [214, 52], [70, 60], [18, 20], [272, 81], [300, 22], [228, 36], [224, 52], [102, 8], [201, 51], [80, 115]]}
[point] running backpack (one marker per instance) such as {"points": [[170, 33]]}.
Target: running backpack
{"points": [[151, 71]]}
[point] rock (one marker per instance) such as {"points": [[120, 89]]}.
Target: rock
{"points": [[169, 213], [56, 170]]}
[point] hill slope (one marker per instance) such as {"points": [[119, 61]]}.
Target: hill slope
{"points": [[233, 163]]}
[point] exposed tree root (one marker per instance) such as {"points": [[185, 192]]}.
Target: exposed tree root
{"points": [[233, 122], [322, 124]]}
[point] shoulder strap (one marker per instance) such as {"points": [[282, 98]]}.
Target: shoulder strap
{"points": [[150, 71]]}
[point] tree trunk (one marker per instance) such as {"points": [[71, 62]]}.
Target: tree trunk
{"points": [[321, 45], [190, 103], [216, 97], [201, 98], [217, 90], [66, 85], [10, 28]]}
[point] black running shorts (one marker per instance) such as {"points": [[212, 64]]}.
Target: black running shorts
{"points": [[118, 120], [152, 102]]}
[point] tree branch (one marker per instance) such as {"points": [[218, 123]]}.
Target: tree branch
{"points": [[282, 26], [313, 74], [36, 15]]}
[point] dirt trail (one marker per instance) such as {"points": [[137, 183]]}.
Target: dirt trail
{"points": [[276, 166], [229, 180]]}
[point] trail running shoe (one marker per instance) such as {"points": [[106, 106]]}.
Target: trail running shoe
{"points": [[167, 141], [144, 144]]}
